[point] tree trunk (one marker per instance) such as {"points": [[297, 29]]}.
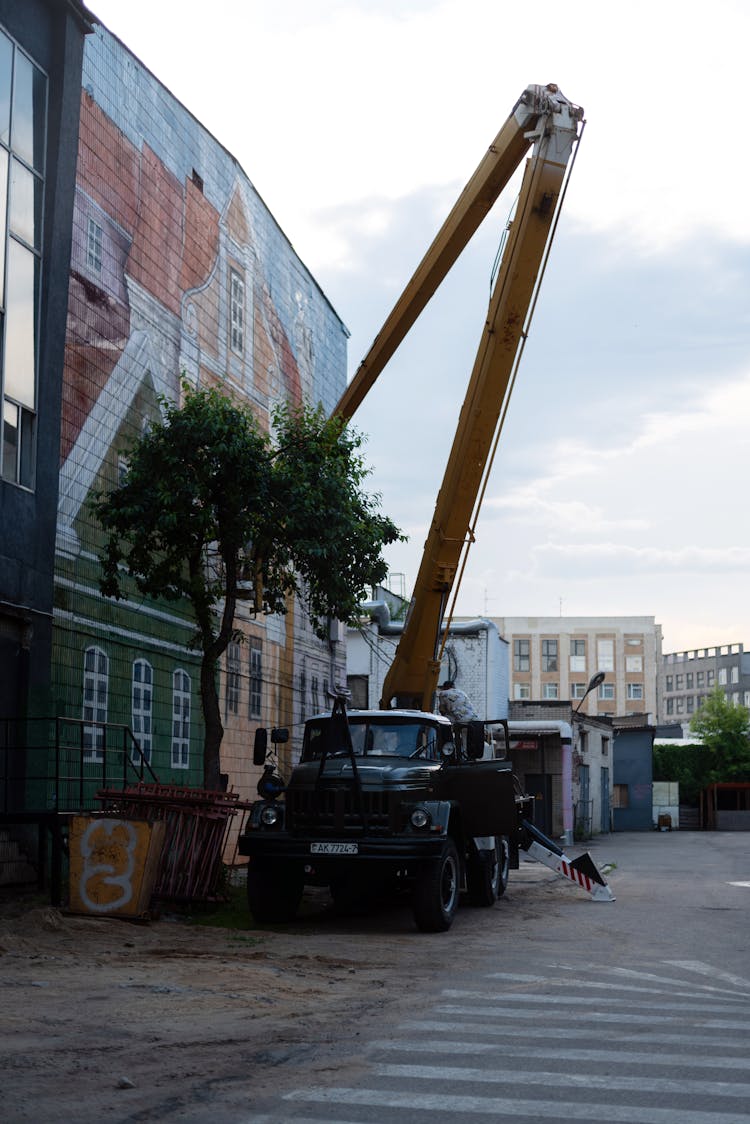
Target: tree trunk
{"points": [[214, 729]]}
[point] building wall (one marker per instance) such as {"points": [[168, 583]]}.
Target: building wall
{"points": [[44, 41], [475, 656], [687, 678], [178, 271], [633, 776], [545, 663]]}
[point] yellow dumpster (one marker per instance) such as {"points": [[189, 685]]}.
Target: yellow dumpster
{"points": [[114, 864]]}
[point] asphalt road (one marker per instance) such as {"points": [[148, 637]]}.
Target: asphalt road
{"points": [[551, 1007]]}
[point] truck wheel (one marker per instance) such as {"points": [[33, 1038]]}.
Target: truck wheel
{"points": [[436, 892], [274, 891], [503, 865]]}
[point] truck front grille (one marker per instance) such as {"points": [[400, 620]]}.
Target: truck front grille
{"points": [[337, 809]]}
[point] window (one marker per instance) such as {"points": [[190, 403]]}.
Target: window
{"points": [[690, 704], [256, 680], [669, 684], [142, 708], [578, 655], [314, 695], [680, 706], [620, 796], [236, 313], [550, 691], [549, 655], [94, 240], [735, 698], [670, 706], [700, 678], [233, 679], [23, 122], [723, 679], [180, 720], [521, 691], [634, 663], [521, 655], [689, 680], [710, 678], [606, 690], [605, 653], [605, 747], [577, 690], [746, 698], [679, 682], [735, 674], [635, 690], [95, 690]]}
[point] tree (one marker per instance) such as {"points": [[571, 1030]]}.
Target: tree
{"points": [[210, 504], [723, 729]]}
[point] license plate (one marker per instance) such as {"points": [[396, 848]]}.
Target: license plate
{"points": [[334, 848]]}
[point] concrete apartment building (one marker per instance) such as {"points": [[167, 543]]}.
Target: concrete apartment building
{"points": [[555, 657], [686, 678]]}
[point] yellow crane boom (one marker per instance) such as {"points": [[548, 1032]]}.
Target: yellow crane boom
{"points": [[544, 121]]}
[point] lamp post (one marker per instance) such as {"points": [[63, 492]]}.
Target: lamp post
{"points": [[594, 682]]}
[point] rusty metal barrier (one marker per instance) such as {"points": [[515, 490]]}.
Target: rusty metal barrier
{"points": [[196, 826]]}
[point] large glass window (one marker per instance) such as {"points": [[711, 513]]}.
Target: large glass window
{"points": [[521, 655], [236, 312], [180, 720], [142, 708], [549, 655], [233, 679], [95, 691], [256, 680], [23, 119], [577, 655], [605, 655]]}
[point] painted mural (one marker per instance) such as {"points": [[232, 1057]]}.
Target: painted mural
{"points": [[178, 270]]}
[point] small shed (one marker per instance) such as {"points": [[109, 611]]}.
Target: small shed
{"points": [[725, 806]]}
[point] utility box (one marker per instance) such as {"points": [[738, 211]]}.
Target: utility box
{"points": [[114, 865]]}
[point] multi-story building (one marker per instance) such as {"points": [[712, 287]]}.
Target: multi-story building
{"points": [[179, 272], [686, 678], [41, 51], [556, 657]]}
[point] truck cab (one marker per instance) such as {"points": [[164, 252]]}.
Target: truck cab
{"points": [[386, 800]]}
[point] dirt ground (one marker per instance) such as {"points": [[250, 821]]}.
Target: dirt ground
{"points": [[131, 1021]]}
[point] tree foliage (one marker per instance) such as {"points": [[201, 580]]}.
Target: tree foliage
{"points": [[211, 507], [723, 729]]}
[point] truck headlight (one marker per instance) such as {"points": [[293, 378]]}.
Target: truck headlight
{"points": [[270, 815], [420, 819]]}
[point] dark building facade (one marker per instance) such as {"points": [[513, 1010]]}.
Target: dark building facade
{"points": [[41, 52]]}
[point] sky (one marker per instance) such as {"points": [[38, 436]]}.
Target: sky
{"points": [[618, 488]]}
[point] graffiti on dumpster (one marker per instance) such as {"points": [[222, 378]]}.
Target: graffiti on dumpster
{"points": [[107, 848]]}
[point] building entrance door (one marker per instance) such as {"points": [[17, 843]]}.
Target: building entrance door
{"points": [[605, 800], [539, 785]]}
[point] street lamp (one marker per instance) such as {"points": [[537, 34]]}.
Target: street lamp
{"points": [[594, 682]]}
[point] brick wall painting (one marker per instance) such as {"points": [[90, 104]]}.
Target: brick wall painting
{"points": [[178, 270]]}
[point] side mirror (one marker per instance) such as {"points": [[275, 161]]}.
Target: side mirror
{"points": [[280, 735], [475, 740], [260, 746]]}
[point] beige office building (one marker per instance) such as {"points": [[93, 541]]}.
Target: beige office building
{"points": [[556, 657]]}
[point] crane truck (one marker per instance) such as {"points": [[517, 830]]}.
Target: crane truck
{"points": [[399, 796]]}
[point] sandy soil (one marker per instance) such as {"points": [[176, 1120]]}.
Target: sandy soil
{"points": [[131, 1021]]}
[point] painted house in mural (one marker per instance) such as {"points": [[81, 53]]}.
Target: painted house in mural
{"points": [[178, 269]]}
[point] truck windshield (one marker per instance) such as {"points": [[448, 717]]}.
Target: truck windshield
{"points": [[376, 739]]}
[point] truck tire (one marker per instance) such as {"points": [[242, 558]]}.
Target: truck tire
{"points": [[436, 892], [503, 866], [274, 890], [487, 875]]}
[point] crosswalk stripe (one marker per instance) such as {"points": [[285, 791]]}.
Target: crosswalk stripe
{"points": [[725, 994], [509, 999], [514, 1107], [702, 969], [594, 1016], [510, 1050], [568, 1080]]}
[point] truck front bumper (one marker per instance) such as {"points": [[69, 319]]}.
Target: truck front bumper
{"points": [[321, 853]]}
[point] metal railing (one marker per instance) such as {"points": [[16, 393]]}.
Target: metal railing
{"points": [[59, 764]]}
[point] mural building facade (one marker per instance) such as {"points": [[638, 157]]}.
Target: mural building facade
{"points": [[178, 272]]}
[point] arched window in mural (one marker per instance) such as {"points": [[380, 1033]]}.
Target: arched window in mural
{"points": [[142, 708], [95, 692], [180, 719]]}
